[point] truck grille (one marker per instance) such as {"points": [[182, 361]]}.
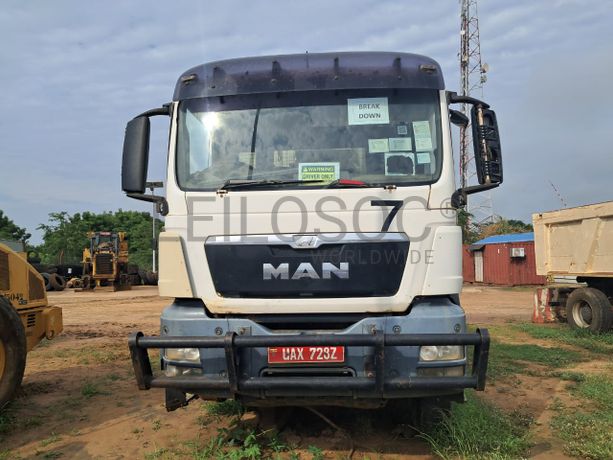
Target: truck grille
{"points": [[298, 266], [104, 264]]}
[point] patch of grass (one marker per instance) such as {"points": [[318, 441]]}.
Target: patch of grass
{"points": [[587, 433], [478, 430], [156, 425], [602, 343], [50, 440], [52, 454], [569, 375], [227, 408], [509, 359], [6, 455], [156, 454], [90, 389], [597, 388], [31, 422], [316, 452]]}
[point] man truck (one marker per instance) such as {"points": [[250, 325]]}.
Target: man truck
{"points": [[311, 244]]}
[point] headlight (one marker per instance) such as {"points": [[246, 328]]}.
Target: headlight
{"points": [[182, 354], [441, 353]]}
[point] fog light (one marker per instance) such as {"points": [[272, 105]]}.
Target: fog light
{"points": [[182, 354], [455, 371], [441, 353], [171, 371]]}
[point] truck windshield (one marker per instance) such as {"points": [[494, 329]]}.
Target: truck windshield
{"points": [[380, 137]]}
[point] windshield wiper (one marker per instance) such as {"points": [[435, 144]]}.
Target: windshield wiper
{"points": [[240, 183], [348, 183]]}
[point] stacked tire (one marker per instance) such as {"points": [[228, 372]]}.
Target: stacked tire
{"points": [[54, 282]]}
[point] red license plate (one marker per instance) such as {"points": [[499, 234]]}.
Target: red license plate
{"points": [[302, 355]]}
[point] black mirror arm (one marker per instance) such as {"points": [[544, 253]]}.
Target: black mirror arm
{"points": [[458, 199], [454, 98], [160, 202], [164, 110]]}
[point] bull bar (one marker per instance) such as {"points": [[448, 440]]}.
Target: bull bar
{"points": [[377, 386]]}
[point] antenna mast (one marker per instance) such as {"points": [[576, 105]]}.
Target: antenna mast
{"points": [[473, 76]]}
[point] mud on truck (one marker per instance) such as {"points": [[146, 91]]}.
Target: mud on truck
{"points": [[310, 241]]}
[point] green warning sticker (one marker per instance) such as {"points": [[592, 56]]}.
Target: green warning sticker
{"points": [[325, 172]]}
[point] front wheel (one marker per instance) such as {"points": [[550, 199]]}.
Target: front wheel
{"points": [[589, 308], [12, 351], [421, 413]]}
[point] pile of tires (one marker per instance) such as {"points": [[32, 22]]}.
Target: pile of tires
{"points": [[148, 278], [54, 282]]}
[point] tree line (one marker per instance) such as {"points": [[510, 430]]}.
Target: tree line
{"points": [[65, 235]]}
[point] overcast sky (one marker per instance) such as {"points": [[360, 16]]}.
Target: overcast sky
{"points": [[72, 73]]}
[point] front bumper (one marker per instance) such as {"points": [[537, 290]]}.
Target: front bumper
{"points": [[377, 384]]}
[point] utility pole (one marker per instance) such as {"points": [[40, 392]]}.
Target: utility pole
{"points": [[152, 186], [472, 76]]}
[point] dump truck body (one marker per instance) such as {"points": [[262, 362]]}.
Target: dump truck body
{"points": [[576, 244]]}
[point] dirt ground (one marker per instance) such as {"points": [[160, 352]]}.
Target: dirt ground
{"points": [[79, 399]]}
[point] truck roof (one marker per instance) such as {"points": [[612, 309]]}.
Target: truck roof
{"points": [[309, 72]]}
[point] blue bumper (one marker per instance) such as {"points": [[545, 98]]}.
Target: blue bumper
{"points": [[381, 357]]}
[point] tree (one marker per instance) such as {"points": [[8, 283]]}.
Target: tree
{"points": [[504, 226], [10, 231], [65, 236]]}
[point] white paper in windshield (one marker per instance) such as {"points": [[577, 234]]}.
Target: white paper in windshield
{"points": [[368, 111], [423, 138], [400, 144], [378, 145]]}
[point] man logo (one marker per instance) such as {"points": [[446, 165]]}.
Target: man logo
{"points": [[305, 270]]}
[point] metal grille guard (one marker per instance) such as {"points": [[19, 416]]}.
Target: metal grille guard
{"points": [[378, 386]]}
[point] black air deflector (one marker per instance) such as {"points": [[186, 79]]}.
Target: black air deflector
{"points": [[375, 266], [309, 72]]}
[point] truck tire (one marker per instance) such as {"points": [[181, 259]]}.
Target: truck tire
{"points": [[12, 351], [57, 281], [589, 308], [47, 278], [421, 413]]}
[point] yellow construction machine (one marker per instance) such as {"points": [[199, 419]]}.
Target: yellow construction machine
{"points": [[25, 317], [105, 261]]}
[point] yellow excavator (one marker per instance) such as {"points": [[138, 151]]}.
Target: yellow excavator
{"points": [[25, 316], [105, 261]]}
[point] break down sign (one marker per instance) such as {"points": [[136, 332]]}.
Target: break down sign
{"points": [[368, 111]]}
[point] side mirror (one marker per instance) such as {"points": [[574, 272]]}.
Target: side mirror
{"points": [[486, 141], [135, 155], [136, 158]]}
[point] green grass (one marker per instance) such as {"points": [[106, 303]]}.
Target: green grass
{"points": [[561, 333], [477, 430], [587, 432], [509, 359], [227, 408], [50, 440], [90, 389]]}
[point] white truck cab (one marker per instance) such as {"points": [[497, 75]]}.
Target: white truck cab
{"points": [[310, 237]]}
